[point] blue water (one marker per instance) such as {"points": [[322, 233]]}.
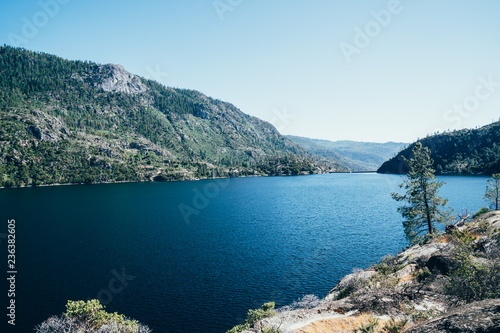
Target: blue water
{"points": [[244, 242]]}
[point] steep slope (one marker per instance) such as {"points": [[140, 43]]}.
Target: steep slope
{"points": [[467, 151], [358, 156], [73, 121]]}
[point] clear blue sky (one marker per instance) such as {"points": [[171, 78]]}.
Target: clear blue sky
{"points": [[413, 72]]}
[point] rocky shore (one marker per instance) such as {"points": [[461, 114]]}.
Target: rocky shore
{"points": [[449, 284]]}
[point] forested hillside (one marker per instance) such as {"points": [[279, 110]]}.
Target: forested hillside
{"points": [[468, 151], [357, 156], [80, 122]]}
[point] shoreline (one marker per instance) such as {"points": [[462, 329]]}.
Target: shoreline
{"points": [[409, 289], [153, 181], [183, 180], [246, 176]]}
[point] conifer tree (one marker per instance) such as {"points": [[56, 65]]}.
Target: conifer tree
{"points": [[492, 194], [423, 208]]}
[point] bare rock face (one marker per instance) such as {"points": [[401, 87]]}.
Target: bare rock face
{"points": [[443, 263], [41, 134], [349, 282], [483, 316], [117, 79], [47, 127]]}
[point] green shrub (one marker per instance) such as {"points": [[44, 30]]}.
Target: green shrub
{"points": [[345, 292], [266, 311], [423, 274], [369, 327], [253, 316], [483, 226], [238, 328], [395, 326], [387, 265], [473, 280], [351, 287], [92, 317], [480, 212], [89, 317], [464, 238]]}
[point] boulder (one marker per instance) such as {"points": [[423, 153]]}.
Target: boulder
{"points": [[350, 282], [42, 135], [483, 317], [442, 263], [419, 253], [450, 228]]}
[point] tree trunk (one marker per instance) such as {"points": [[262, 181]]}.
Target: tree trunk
{"points": [[497, 192], [427, 213]]}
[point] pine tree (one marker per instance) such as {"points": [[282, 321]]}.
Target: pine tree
{"points": [[424, 208], [492, 194]]}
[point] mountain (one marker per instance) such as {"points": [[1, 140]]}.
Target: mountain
{"points": [[357, 156], [67, 121], [467, 151]]}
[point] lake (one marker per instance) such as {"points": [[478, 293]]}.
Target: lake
{"points": [[195, 256]]}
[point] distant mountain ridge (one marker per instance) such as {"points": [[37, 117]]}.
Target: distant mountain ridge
{"points": [[467, 151], [356, 155], [67, 121]]}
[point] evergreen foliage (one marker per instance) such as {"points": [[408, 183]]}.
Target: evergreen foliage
{"points": [[89, 316], [253, 316], [424, 208], [474, 279], [58, 124], [492, 194], [467, 151]]}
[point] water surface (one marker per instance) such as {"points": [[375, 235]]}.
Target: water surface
{"points": [[244, 242]]}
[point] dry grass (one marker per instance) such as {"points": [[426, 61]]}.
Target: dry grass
{"points": [[406, 278], [344, 324], [445, 239]]}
